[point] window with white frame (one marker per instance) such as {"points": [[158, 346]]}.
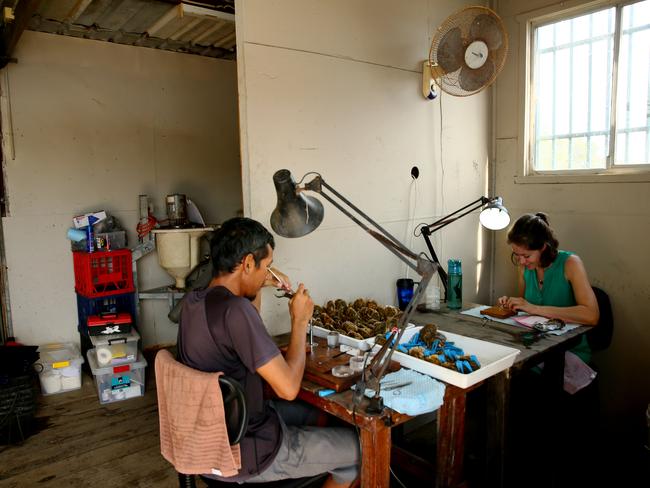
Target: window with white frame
{"points": [[590, 91]]}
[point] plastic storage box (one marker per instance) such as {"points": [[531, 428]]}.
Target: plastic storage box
{"points": [[103, 273], [59, 368], [114, 349], [104, 241], [116, 383], [109, 323]]}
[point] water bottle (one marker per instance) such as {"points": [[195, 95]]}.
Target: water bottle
{"points": [[454, 284]]}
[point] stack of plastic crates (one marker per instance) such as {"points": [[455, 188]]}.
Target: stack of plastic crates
{"points": [[104, 285]]}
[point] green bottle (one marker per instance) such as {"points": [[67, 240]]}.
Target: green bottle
{"points": [[454, 284]]}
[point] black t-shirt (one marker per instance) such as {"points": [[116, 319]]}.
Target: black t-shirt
{"points": [[219, 331]]}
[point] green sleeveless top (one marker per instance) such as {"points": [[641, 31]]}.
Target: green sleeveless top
{"points": [[556, 292]]}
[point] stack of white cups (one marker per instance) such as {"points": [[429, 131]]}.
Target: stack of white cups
{"points": [[432, 297]]}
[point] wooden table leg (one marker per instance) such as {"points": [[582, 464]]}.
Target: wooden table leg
{"points": [[450, 448], [375, 456], [498, 392]]}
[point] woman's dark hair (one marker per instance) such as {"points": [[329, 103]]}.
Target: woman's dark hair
{"points": [[532, 232], [234, 240]]}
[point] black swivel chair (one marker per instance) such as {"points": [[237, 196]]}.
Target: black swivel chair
{"points": [[234, 402], [600, 337]]}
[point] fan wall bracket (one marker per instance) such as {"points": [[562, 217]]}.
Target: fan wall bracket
{"points": [[429, 75]]}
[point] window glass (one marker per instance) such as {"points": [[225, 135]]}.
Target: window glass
{"points": [[573, 62], [632, 122]]}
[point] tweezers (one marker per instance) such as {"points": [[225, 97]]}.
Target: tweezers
{"points": [[286, 293], [398, 385]]}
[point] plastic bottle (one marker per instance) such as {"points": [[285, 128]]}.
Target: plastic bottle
{"points": [[454, 284], [90, 237]]}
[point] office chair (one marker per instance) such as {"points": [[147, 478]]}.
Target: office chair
{"points": [[236, 419], [600, 337]]}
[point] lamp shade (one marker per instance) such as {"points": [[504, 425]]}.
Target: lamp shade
{"points": [[295, 214], [495, 216]]}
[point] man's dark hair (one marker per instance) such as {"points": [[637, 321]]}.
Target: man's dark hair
{"points": [[234, 240], [532, 231]]}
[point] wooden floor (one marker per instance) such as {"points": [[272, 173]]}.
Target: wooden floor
{"points": [[84, 444]]}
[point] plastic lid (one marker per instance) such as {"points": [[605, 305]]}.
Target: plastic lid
{"points": [[108, 339], [453, 266], [60, 355], [342, 371]]}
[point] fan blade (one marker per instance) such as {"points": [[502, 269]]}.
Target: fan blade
{"points": [[449, 54], [473, 80], [486, 28]]}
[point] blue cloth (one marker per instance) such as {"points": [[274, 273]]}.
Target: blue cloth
{"points": [[422, 395]]}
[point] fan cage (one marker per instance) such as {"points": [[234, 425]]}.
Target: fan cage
{"points": [[450, 81]]}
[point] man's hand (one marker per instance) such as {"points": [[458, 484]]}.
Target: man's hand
{"points": [[278, 279], [285, 374], [301, 308]]}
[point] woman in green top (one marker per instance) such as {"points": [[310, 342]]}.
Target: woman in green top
{"points": [[552, 283]]}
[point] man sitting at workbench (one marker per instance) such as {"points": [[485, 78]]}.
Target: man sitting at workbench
{"points": [[221, 330]]}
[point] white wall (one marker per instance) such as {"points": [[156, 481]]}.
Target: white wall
{"points": [[607, 224], [95, 124], [335, 87]]}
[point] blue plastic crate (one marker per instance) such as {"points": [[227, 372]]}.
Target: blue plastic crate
{"points": [[119, 303]]}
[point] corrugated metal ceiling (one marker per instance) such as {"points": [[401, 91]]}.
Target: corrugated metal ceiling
{"points": [[204, 28]]}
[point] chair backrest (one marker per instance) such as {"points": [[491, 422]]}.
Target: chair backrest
{"points": [[234, 405], [600, 337], [170, 373]]}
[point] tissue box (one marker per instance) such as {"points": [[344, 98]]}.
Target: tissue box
{"points": [[80, 221]]}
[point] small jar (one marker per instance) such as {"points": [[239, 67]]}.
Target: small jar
{"points": [[356, 363], [332, 339]]}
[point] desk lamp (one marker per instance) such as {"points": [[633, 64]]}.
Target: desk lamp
{"points": [[297, 214], [494, 217]]}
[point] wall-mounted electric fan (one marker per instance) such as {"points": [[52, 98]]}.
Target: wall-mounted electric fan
{"points": [[468, 51]]}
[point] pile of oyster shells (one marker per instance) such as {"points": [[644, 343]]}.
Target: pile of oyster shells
{"points": [[361, 319]]}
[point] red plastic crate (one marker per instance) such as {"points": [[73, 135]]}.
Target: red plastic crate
{"points": [[103, 273]]}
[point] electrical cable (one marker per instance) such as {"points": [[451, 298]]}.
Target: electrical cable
{"points": [[410, 216], [439, 244], [396, 478]]}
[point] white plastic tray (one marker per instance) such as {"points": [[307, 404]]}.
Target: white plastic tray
{"points": [[494, 358], [362, 344]]}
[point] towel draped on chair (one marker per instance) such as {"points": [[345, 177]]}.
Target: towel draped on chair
{"points": [[193, 434]]}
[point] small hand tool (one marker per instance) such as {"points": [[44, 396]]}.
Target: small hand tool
{"points": [[287, 292], [398, 385]]}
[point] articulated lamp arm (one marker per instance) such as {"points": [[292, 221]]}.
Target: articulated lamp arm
{"points": [[494, 203], [297, 214]]}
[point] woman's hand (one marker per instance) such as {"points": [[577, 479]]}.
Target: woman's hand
{"points": [[503, 302], [301, 308], [283, 283], [518, 303]]}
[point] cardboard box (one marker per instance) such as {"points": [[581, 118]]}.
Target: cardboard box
{"points": [[82, 220]]}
